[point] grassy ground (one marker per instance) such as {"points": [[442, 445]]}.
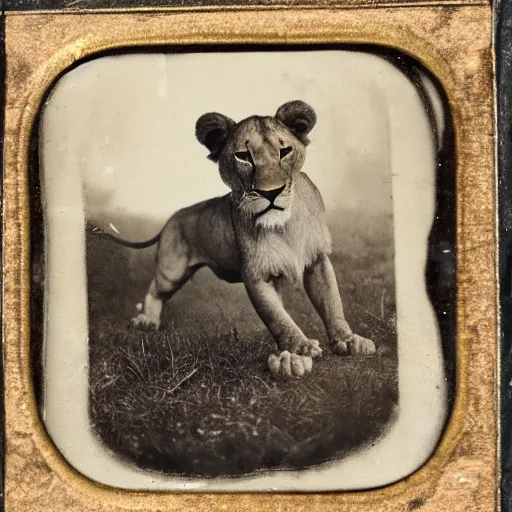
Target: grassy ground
{"points": [[196, 397]]}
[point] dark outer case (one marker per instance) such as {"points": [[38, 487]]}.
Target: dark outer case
{"points": [[504, 89]]}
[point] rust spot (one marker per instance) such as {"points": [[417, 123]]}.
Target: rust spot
{"points": [[416, 503]]}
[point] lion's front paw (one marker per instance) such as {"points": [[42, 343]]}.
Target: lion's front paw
{"points": [[141, 321], [310, 348], [355, 346], [289, 365]]}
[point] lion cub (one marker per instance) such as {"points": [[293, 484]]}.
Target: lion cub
{"points": [[270, 227]]}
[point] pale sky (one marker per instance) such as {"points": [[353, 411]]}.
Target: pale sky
{"points": [[127, 123]]}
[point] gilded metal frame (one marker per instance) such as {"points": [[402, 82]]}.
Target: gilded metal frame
{"points": [[454, 43]]}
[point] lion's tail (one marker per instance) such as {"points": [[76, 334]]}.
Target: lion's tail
{"points": [[125, 243]]}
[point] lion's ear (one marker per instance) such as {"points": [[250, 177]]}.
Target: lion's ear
{"points": [[212, 131], [298, 117]]}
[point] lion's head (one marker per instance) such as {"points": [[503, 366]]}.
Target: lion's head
{"points": [[259, 158]]}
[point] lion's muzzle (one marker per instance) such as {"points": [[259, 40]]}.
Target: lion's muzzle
{"points": [[272, 194]]}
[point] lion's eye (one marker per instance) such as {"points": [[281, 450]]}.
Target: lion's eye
{"points": [[284, 151], [243, 156]]}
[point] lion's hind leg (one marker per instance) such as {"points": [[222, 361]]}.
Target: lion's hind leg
{"points": [[166, 283], [149, 318], [173, 268]]}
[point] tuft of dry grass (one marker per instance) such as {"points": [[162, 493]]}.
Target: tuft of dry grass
{"points": [[196, 398]]}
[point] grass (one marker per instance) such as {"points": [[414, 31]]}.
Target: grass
{"points": [[196, 397]]}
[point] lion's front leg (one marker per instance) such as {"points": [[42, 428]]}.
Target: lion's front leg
{"points": [[297, 351], [322, 289]]}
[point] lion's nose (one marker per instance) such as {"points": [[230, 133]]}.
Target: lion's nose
{"points": [[270, 194]]}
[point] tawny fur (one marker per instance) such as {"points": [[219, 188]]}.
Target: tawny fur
{"points": [[286, 250], [271, 226]]}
